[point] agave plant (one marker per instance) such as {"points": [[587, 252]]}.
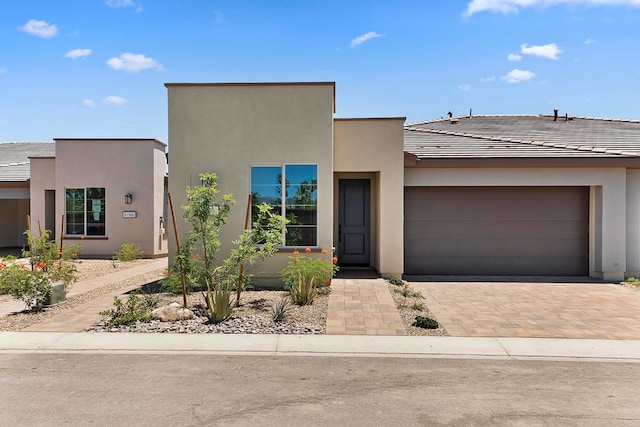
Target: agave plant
{"points": [[218, 305]]}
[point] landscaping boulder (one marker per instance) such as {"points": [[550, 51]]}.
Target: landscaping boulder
{"points": [[172, 313]]}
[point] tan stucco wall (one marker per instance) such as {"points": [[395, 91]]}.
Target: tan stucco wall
{"points": [[227, 128], [376, 146], [608, 254], [120, 166], [43, 177]]}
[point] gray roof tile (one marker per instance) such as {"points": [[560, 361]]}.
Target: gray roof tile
{"points": [[523, 136], [14, 158]]}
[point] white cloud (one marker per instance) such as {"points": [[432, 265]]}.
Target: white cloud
{"points": [[589, 41], [124, 3], [464, 87], [133, 63], [39, 28], [77, 53], [518, 76], [488, 79], [513, 57], [363, 38], [115, 100], [89, 103], [514, 6], [550, 50]]}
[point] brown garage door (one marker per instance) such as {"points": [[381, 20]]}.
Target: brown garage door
{"points": [[496, 231]]}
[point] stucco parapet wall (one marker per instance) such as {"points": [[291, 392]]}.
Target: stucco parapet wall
{"points": [[256, 84], [111, 140]]}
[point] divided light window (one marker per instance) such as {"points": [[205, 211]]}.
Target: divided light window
{"points": [[85, 211], [298, 202]]}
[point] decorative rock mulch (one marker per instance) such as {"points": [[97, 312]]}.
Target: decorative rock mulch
{"points": [[252, 317], [408, 315]]}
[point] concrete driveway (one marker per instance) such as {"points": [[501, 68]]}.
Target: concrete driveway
{"points": [[517, 309]]}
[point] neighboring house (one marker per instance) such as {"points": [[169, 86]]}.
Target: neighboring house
{"points": [[110, 192], [523, 195], [14, 188], [484, 195]]}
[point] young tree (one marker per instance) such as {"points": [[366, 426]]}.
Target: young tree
{"points": [[207, 215]]}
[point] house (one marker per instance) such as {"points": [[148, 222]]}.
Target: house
{"points": [[14, 189], [523, 195], [339, 181], [100, 192], [472, 195]]}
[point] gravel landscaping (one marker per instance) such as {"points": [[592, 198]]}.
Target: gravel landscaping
{"points": [[409, 314], [252, 317]]}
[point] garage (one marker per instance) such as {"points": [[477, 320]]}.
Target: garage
{"points": [[500, 231]]}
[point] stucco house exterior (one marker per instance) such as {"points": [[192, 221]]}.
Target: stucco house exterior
{"points": [[110, 192], [14, 188], [473, 195]]}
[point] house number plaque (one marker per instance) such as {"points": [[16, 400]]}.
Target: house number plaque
{"points": [[129, 214]]}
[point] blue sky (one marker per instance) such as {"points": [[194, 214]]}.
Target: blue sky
{"points": [[96, 68]]}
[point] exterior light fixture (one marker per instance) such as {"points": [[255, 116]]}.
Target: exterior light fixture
{"points": [[128, 198]]}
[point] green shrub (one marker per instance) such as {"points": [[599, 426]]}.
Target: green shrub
{"points": [[30, 287], [407, 292], [395, 281], [129, 252], [218, 305], [417, 306], [280, 309], [137, 308], [303, 291], [305, 274], [426, 322]]}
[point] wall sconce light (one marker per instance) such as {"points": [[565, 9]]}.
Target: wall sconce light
{"points": [[128, 198], [162, 230]]}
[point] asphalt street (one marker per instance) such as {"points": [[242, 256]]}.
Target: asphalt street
{"points": [[38, 389]]}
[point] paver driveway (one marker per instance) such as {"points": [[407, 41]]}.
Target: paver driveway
{"points": [[558, 310]]}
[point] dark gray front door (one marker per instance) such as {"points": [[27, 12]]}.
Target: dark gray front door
{"points": [[354, 222]]}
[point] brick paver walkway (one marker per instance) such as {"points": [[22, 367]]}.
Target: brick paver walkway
{"points": [[362, 307], [554, 310]]}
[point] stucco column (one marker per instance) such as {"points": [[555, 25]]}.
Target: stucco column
{"points": [[614, 229], [390, 224]]}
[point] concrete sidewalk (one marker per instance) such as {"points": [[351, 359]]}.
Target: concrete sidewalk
{"points": [[323, 345]]}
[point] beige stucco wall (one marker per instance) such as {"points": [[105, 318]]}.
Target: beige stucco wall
{"points": [[227, 128], [608, 254], [120, 166], [43, 177], [376, 146]]}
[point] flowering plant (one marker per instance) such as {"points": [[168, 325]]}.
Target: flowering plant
{"points": [[31, 283], [304, 274]]}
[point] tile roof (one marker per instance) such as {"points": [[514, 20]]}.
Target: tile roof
{"points": [[520, 136], [14, 158]]}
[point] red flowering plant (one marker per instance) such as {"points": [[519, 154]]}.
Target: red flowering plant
{"points": [[306, 275], [31, 283]]}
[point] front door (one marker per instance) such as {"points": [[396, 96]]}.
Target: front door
{"points": [[354, 222]]}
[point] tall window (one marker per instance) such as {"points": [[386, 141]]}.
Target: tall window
{"points": [[85, 211], [298, 202]]}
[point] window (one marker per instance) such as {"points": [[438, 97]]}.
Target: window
{"points": [[298, 202], [85, 211]]}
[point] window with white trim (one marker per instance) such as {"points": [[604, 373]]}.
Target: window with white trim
{"points": [[85, 211], [298, 202]]}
